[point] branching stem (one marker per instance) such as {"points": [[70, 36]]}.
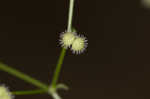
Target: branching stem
{"points": [[23, 76], [63, 52]]}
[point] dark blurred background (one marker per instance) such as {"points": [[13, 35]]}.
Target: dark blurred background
{"points": [[116, 64]]}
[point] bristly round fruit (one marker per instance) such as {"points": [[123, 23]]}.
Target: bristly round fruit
{"points": [[79, 45], [67, 38], [4, 93]]}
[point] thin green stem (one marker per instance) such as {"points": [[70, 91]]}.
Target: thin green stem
{"points": [[23, 76], [70, 15], [58, 67], [63, 52], [44, 88], [29, 92]]}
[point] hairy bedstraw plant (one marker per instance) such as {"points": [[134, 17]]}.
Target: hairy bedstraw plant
{"points": [[69, 39]]}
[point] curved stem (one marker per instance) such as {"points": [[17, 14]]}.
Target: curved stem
{"points": [[29, 92], [23, 76]]}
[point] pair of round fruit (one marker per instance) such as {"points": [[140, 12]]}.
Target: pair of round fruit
{"points": [[77, 43]]}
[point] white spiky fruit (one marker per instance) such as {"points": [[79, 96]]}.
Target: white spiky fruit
{"points": [[79, 45], [4, 93], [67, 38]]}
